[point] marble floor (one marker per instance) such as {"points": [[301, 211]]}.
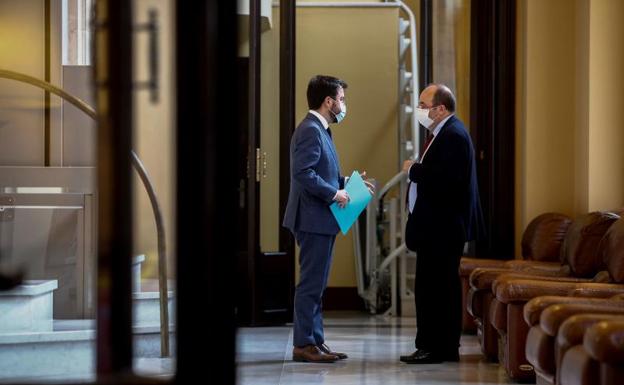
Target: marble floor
{"points": [[374, 344]]}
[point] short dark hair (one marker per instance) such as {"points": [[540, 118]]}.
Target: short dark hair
{"points": [[444, 96], [322, 86]]}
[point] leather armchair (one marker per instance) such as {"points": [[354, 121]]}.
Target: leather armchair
{"points": [[560, 326], [585, 261], [571, 334], [481, 302], [560, 319], [541, 243], [600, 359]]}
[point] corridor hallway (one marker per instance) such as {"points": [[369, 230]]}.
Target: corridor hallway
{"points": [[373, 343]]}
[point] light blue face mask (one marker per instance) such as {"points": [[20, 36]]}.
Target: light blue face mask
{"points": [[339, 117]]}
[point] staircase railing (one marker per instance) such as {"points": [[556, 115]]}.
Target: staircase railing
{"points": [[376, 260], [147, 184]]}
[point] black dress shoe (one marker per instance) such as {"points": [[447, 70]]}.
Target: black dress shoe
{"points": [[327, 350], [451, 357], [427, 357]]}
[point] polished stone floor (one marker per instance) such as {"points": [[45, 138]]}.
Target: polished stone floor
{"points": [[374, 344]]}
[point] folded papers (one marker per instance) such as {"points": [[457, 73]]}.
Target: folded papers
{"points": [[359, 197]]}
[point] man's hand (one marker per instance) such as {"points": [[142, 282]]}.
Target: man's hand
{"points": [[342, 198], [407, 165], [369, 185]]}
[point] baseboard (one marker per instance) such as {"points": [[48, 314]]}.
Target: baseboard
{"points": [[342, 298]]}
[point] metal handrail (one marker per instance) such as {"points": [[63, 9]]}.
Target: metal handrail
{"points": [[149, 188], [398, 178], [391, 257]]}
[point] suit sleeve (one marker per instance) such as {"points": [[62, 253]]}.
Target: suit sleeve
{"points": [[450, 171], [306, 156]]}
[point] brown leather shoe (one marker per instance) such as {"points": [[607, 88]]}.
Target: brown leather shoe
{"points": [[311, 353], [325, 349]]}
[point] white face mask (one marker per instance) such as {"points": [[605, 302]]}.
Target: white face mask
{"points": [[422, 114], [341, 115]]}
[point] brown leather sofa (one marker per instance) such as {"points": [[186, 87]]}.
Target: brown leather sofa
{"points": [[584, 264], [560, 326], [572, 332], [600, 359], [541, 242], [542, 351], [481, 302]]}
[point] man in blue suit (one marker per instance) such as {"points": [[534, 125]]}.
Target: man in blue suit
{"points": [[444, 213], [315, 183]]}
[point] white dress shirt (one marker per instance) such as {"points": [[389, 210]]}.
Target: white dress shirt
{"points": [[413, 191], [321, 118]]}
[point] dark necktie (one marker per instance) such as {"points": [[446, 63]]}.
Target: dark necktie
{"points": [[427, 142], [329, 132]]}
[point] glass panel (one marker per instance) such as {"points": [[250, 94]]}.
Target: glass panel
{"points": [[154, 140], [47, 214]]}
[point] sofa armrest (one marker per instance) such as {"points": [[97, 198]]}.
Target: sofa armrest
{"points": [[507, 277], [522, 264], [483, 279], [468, 265], [598, 290], [474, 304], [534, 308], [522, 290], [572, 330], [605, 341], [553, 316]]}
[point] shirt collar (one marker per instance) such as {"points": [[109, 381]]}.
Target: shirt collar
{"points": [[321, 118], [437, 129]]}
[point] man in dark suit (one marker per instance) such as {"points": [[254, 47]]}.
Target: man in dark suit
{"points": [[444, 213], [315, 183]]}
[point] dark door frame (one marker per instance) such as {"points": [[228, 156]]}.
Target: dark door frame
{"points": [[207, 196], [266, 278], [114, 143], [287, 126], [492, 120], [425, 57], [253, 154]]}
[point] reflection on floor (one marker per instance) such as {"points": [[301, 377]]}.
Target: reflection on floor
{"points": [[374, 345]]}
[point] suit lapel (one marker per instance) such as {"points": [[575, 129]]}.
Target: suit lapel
{"points": [[439, 139], [328, 140]]}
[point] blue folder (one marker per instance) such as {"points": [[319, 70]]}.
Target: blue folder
{"points": [[359, 198]]}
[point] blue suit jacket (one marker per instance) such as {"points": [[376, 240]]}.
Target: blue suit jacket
{"points": [[448, 206], [314, 179]]}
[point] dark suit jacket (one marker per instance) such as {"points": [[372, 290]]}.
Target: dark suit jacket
{"points": [[314, 179], [447, 206]]}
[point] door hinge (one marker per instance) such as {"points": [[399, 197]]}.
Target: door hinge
{"points": [[258, 166]]}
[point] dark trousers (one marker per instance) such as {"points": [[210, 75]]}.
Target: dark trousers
{"points": [[438, 295], [315, 261]]}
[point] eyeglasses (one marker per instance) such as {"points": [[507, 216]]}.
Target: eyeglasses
{"points": [[424, 106]]}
